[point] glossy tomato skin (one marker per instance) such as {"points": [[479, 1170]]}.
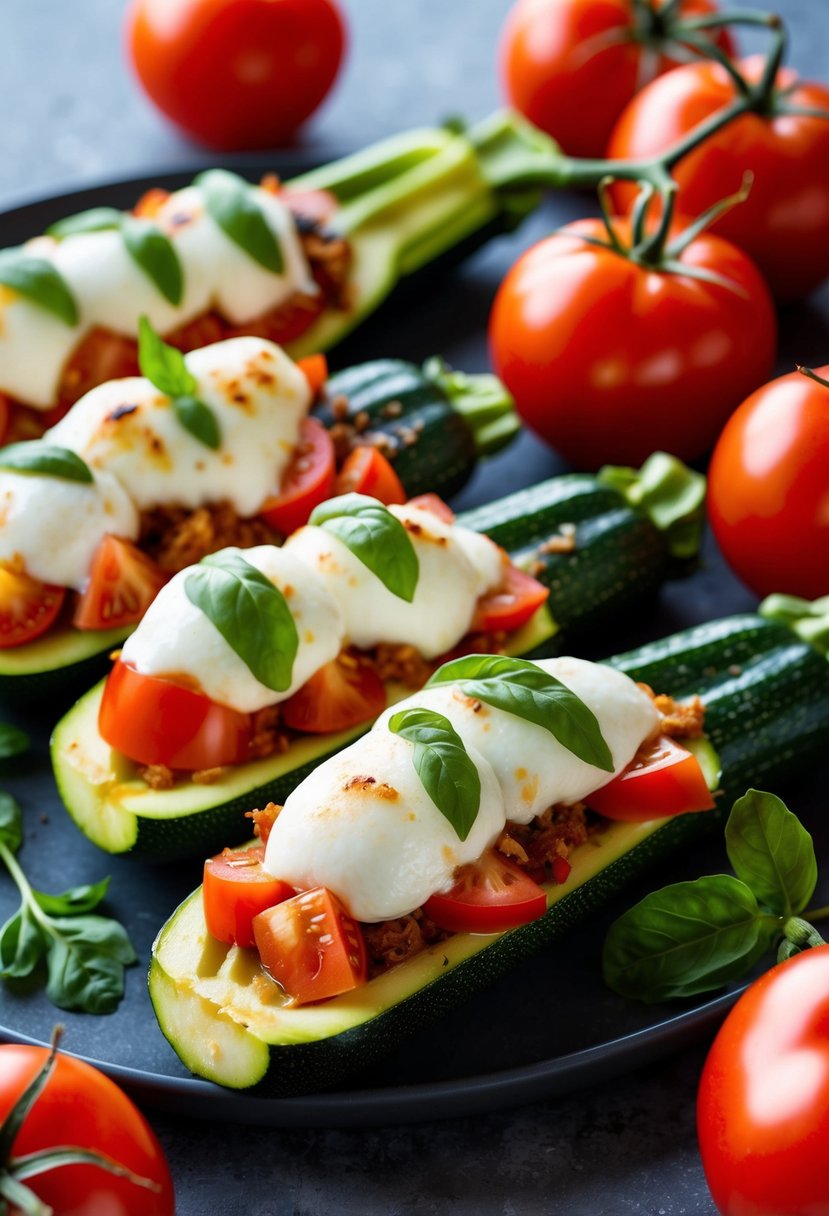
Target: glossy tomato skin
{"points": [[28, 607], [768, 488], [609, 361], [664, 779], [236, 74], [784, 223], [570, 66], [763, 1103], [82, 1107]]}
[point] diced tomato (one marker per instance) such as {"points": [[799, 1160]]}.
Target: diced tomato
{"points": [[156, 721], [342, 694], [236, 888], [489, 895], [663, 779], [511, 605], [435, 504], [27, 607], [284, 323], [123, 582], [318, 205], [315, 370], [311, 946], [366, 470], [308, 480], [203, 330], [101, 355]]}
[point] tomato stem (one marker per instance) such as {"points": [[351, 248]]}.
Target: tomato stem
{"points": [[812, 375]]}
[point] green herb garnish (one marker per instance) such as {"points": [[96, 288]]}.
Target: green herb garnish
{"points": [[45, 459], [375, 537], [149, 248], [164, 366], [40, 282], [13, 741], [231, 204], [446, 771]]}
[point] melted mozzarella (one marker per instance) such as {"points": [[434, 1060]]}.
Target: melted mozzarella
{"points": [[362, 825], [50, 527], [175, 639], [112, 291], [456, 567], [258, 397]]}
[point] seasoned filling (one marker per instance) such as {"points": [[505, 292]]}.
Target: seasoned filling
{"points": [[175, 537]]}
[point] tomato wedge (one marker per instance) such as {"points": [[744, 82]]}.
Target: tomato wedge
{"points": [[156, 721], [308, 480], [489, 895], [511, 605], [435, 504], [366, 470], [663, 779], [311, 946], [27, 607], [123, 582], [315, 370], [236, 887], [101, 355], [342, 694]]}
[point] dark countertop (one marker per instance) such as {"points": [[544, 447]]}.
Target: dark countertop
{"points": [[72, 115]]}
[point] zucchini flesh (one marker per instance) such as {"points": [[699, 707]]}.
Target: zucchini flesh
{"points": [[767, 712]]}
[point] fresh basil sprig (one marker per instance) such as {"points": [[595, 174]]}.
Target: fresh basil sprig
{"points": [[250, 613], [693, 937], [445, 768], [46, 459], [375, 537], [526, 690], [13, 741], [149, 248], [96, 219], [164, 366], [85, 955], [231, 204], [39, 281]]}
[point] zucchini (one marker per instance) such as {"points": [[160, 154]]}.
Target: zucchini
{"points": [[767, 712], [619, 556]]}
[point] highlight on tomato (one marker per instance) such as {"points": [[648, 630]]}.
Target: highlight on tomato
{"points": [[488, 896], [663, 779], [510, 605], [366, 470], [235, 888], [344, 693], [308, 480], [311, 946], [123, 582], [27, 607]]}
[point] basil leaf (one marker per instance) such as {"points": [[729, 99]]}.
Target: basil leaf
{"points": [[13, 741], [86, 963], [375, 537], [150, 249], [686, 939], [771, 852], [250, 613], [97, 219], [199, 420], [231, 204], [11, 823], [74, 901], [45, 459], [522, 688], [40, 282], [446, 771], [23, 944], [163, 365]]}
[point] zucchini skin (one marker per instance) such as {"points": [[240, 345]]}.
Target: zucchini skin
{"points": [[767, 713]]}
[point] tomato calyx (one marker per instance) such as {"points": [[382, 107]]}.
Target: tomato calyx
{"points": [[810, 374]]}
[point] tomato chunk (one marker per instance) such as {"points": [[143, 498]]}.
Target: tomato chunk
{"points": [[311, 946], [366, 470], [435, 504], [123, 582], [156, 721], [663, 779], [27, 607], [512, 604], [237, 887], [342, 694], [308, 480], [315, 370], [489, 895]]}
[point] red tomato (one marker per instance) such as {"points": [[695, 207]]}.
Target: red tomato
{"points": [[768, 488], [317, 205], [666, 779], [236, 73], [101, 355], [235, 889], [489, 895], [27, 607], [315, 370], [571, 65], [763, 1103], [610, 361], [435, 504], [366, 470], [308, 480], [5, 409], [510, 606], [342, 694], [81, 1107], [123, 582], [784, 223], [156, 721], [311, 946]]}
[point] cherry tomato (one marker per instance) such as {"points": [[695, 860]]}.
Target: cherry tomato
{"points": [[311, 946], [236, 888], [610, 361], [489, 895], [435, 504], [315, 370], [512, 604], [123, 582], [665, 779], [768, 488], [156, 721], [342, 694], [366, 470], [784, 223], [27, 607], [571, 65], [236, 73], [763, 1103], [308, 480], [81, 1107]]}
